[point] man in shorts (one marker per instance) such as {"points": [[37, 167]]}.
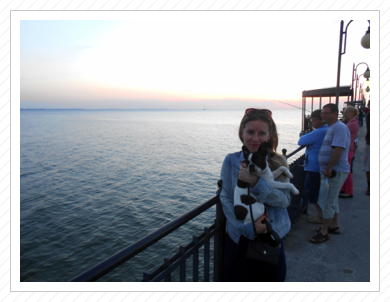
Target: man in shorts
{"points": [[333, 155]]}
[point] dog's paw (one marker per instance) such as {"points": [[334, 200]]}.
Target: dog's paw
{"points": [[295, 191]]}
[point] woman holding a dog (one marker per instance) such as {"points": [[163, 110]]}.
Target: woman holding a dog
{"points": [[256, 126]]}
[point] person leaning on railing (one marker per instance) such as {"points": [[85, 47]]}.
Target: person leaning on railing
{"points": [[313, 142], [256, 127]]}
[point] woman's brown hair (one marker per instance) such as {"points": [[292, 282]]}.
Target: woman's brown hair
{"points": [[274, 160], [256, 115]]}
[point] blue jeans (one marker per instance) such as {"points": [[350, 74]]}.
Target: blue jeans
{"points": [[312, 186]]}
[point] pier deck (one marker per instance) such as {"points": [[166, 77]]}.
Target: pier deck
{"points": [[345, 257]]}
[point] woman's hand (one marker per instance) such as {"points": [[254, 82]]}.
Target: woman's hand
{"points": [[261, 228], [246, 177]]}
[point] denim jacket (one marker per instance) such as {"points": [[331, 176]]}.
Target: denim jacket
{"points": [[275, 200]]}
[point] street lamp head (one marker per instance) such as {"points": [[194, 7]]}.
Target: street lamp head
{"points": [[366, 39], [368, 85], [367, 73]]}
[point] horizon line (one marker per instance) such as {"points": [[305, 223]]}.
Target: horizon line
{"points": [[140, 109]]}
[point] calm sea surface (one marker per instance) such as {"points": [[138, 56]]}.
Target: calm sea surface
{"points": [[92, 182]]}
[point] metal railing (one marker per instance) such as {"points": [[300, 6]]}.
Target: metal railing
{"points": [[217, 231], [298, 203]]}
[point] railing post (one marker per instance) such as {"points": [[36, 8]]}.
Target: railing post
{"points": [[183, 266], [195, 261], [206, 257], [219, 243], [167, 263]]}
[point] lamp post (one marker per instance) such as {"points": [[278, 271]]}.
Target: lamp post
{"points": [[366, 91], [343, 34], [356, 86], [363, 91], [366, 74]]}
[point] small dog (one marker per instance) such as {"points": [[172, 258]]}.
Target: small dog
{"points": [[257, 165], [242, 200]]}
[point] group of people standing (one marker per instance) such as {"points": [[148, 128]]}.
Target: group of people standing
{"points": [[329, 154], [341, 136], [332, 144]]}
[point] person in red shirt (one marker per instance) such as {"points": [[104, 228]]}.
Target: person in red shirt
{"points": [[350, 115]]}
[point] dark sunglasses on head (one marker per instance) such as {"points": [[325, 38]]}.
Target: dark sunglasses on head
{"points": [[266, 112]]}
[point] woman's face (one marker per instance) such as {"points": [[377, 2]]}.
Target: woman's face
{"points": [[255, 132], [348, 115], [316, 122]]}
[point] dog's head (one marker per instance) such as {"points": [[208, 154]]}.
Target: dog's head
{"points": [[256, 161]]}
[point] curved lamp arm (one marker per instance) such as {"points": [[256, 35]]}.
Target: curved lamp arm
{"points": [[366, 73], [343, 40]]}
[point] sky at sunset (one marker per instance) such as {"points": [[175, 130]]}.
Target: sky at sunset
{"points": [[184, 60]]}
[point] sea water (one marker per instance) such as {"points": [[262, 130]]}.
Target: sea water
{"points": [[93, 182]]}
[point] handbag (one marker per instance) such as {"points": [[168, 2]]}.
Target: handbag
{"points": [[266, 247]]}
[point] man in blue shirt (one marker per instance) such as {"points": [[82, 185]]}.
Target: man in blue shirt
{"points": [[313, 142], [333, 155]]}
